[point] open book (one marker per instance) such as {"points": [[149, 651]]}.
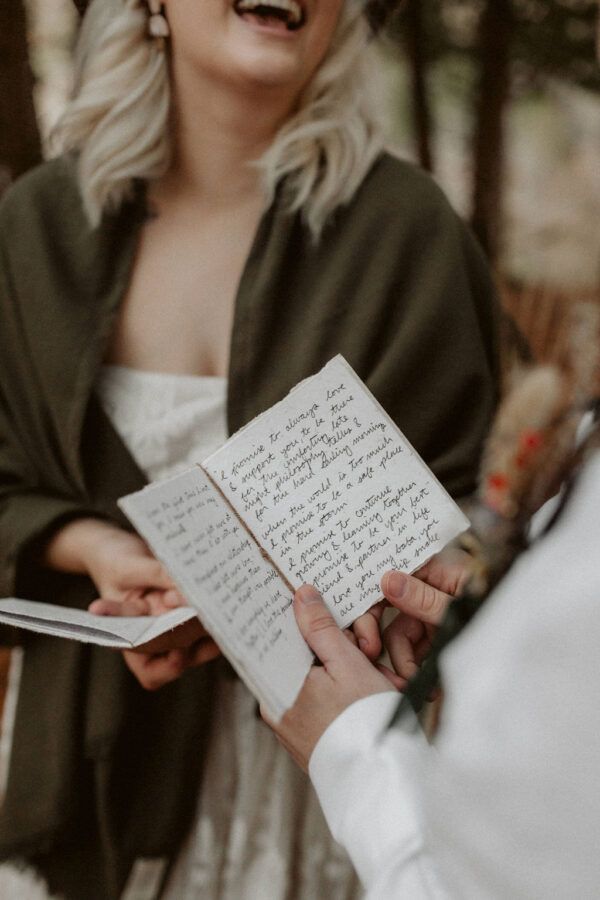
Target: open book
{"points": [[322, 488]]}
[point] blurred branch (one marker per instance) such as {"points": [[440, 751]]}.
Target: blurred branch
{"points": [[19, 137]]}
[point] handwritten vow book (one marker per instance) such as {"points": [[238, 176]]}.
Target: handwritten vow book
{"points": [[322, 488]]}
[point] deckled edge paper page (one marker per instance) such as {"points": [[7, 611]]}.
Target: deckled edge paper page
{"points": [[333, 491], [240, 597], [121, 632]]}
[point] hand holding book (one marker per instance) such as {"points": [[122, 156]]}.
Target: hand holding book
{"points": [[322, 488], [165, 657], [133, 583]]}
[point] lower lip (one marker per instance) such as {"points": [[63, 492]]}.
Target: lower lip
{"points": [[279, 31]]}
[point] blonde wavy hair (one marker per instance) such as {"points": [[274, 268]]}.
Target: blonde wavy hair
{"points": [[118, 121]]}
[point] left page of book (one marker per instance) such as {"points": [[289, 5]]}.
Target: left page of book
{"points": [[240, 597]]}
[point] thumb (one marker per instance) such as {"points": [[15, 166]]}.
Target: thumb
{"points": [[415, 597], [318, 627]]}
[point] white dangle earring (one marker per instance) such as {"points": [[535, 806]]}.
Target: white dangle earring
{"points": [[158, 27]]}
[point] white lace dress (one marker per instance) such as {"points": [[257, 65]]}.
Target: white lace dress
{"points": [[258, 833]]}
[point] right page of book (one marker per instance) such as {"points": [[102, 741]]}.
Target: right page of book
{"points": [[334, 492]]}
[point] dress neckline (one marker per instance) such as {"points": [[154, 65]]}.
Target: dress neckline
{"points": [[147, 374]]}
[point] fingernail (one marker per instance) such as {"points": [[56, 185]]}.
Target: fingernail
{"points": [[363, 644], [394, 585], [308, 594]]}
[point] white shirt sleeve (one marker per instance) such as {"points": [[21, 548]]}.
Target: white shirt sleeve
{"points": [[364, 774], [507, 803]]}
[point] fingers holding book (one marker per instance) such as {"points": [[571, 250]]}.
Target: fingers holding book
{"points": [[155, 669], [345, 676], [421, 600], [136, 584], [166, 657], [367, 631], [139, 602], [348, 675]]}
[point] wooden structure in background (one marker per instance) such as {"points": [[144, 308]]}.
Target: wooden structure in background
{"points": [[545, 319]]}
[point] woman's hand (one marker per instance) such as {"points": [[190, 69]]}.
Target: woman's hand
{"points": [[167, 658], [123, 568], [131, 582], [154, 670], [118, 562]]}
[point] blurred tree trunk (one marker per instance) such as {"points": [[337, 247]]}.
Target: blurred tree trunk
{"points": [[19, 136], [416, 51], [495, 37]]}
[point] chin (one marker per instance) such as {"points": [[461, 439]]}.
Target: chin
{"points": [[257, 68]]}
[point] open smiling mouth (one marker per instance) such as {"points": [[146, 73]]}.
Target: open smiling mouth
{"points": [[272, 12]]}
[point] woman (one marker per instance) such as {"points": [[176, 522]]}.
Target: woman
{"points": [[224, 223]]}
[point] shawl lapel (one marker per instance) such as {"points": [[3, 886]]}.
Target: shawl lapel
{"points": [[64, 285], [100, 269]]}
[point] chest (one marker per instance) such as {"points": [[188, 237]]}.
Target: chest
{"points": [[177, 313]]}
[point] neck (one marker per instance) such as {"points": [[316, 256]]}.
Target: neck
{"points": [[218, 133]]}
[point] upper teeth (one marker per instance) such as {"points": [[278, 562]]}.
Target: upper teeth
{"points": [[290, 6]]}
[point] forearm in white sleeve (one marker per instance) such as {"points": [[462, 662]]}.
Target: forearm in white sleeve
{"points": [[364, 775]]}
